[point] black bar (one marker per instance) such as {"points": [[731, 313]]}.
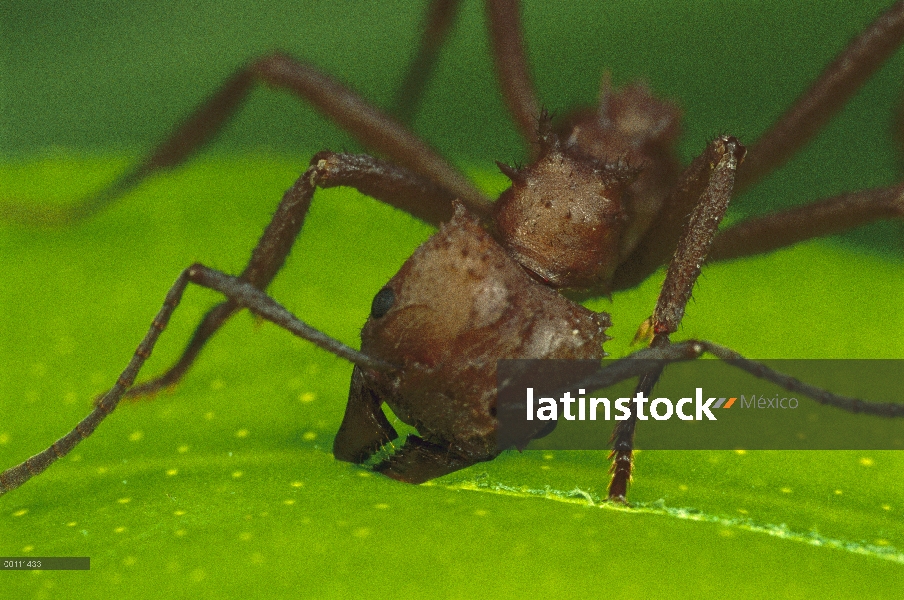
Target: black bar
{"points": [[45, 563]]}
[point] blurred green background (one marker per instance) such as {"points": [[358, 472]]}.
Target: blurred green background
{"points": [[102, 76], [227, 486]]}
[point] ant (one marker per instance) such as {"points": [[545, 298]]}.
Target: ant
{"points": [[602, 204]]}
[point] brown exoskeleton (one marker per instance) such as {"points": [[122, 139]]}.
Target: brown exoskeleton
{"points": [[604, 204]]}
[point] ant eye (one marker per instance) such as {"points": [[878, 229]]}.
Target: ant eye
{"points": [[383, 301]]}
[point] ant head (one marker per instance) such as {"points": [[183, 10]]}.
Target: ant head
{"points": [[563, 216], [458, 305], [461, 295]]}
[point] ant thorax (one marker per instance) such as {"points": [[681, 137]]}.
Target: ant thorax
{"points": [[630, 125], [563, 217]]}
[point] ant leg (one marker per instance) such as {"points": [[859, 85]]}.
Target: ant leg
{"points": [[638, 363], [714, 172], [758, 235], [511, 67], [846, 403], [815, 107], [659, 242], [437, 25], [243, 294], [365, 122], [370, 126], [208, 326], [763, 234], [376, 178]]}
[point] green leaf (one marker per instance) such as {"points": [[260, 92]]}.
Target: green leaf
{"points": [[227, 486]]}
